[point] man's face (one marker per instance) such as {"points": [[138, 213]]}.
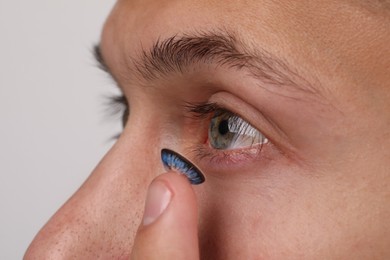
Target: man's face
{"points": [[312, 77]]}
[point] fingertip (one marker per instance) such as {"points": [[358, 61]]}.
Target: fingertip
{"points": [[177, 182], [170, 225], [181, 194]]}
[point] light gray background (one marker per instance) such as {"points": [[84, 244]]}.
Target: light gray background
{"points": [[52, 124]]}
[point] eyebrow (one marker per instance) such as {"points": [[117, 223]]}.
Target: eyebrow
{"points": [[177, 54]]}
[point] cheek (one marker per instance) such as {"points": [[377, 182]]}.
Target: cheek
{"points": [[284, 215]]}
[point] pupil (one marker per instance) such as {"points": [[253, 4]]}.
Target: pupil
{"points": [[223, 127]]}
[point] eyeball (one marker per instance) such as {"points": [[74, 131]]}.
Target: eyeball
{"points": [[228, 131]]}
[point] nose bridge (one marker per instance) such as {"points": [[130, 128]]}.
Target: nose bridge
{"points": [[101, 218], [139, 147]]}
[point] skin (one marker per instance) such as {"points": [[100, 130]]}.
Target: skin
{"points": [[318, 190]]}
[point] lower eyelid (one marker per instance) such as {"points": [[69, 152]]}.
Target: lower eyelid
{"points": [[229, 160], [212, 159]]}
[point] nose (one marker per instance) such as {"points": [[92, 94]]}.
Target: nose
{"points": [[101, 218]]}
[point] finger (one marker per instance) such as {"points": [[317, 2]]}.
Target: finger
{"points": [[169, 226]]}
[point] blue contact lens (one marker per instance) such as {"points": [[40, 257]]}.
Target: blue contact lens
{"points": [[174, 161]]}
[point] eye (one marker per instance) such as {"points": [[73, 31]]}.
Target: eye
{"points": [[118, 105], [228, 131]]}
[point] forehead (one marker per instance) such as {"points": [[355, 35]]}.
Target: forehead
{"points": [[268, 18], [309, 34]]}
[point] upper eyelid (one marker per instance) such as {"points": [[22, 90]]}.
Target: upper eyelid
{"points": [[115, 100], [102, 65], [97, 54], [203, 110]]}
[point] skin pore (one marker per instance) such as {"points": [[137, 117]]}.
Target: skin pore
{"points": [[311, 76]]}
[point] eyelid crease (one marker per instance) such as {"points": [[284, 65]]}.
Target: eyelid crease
{"points": [[202, 109]]}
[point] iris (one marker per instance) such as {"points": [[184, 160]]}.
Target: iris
{"points": [[228, 131]]}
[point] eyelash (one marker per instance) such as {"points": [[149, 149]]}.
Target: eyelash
{"points": [[118, 105], [203, 111]]}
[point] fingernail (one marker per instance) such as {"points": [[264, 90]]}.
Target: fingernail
{"points": [[157, 201]]}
